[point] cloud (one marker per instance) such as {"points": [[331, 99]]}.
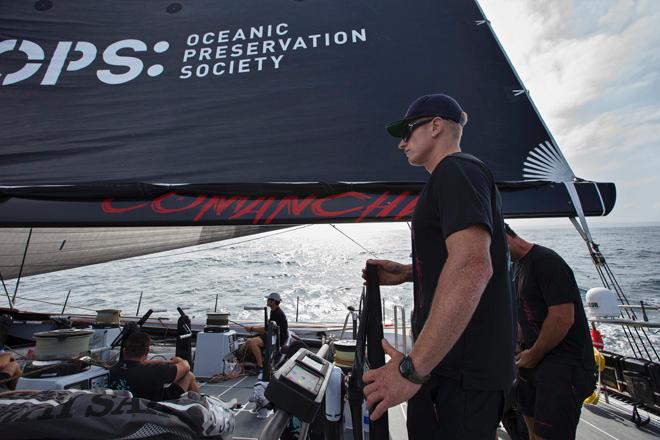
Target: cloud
{"points": [[565, 60], [641, 182], [593, 71], [622, 12], [622, 130]]}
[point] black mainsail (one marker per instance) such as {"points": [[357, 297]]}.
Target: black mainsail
{"points": [[219, 113]]}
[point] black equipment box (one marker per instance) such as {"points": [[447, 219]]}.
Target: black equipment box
{"points": [[636, 365], [639, 387], [654, 373], [612, 375], [298, 387]]}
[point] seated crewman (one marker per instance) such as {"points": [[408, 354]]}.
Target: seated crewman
{"points": [[10, 371], [276, 314], [147, 378]]}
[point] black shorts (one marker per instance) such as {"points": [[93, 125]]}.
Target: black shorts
{"points": [[172, 392], [442, 409], [552, 394], [421, 417]]}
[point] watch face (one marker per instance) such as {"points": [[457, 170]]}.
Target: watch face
{"points": [[405, 367], [407, 370]]}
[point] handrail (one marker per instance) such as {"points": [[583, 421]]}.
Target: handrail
{"points": [[351, 313], [404, 330]]}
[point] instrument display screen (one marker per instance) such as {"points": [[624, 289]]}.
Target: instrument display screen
{"points": [[304, 379]]}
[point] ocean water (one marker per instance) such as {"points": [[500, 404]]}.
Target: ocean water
{"points": [[319, 268]]}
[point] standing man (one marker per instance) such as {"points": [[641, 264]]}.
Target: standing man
{"points": [[146, 378], [256, 344], [556, 366], [461, 365]]}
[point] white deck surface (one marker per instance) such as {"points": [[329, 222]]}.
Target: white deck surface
{"points": [[604, 421]]}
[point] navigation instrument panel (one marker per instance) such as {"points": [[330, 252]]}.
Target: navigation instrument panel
{"points": [[298, 387]]}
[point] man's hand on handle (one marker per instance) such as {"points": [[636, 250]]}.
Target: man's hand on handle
{"points": [[385, 387], [390, 273]]}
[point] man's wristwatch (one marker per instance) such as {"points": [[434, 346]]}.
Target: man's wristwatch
{"points": [[407, 370]]}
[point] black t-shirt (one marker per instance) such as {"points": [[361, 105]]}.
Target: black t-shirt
{"points": [[461, 192], [543, 279], [279, 317], [145, 381]]}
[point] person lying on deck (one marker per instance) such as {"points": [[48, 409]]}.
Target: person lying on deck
{"points": [[10, 371], [147, 378]]}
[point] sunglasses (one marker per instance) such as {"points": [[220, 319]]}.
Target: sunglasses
{"points": [[410, 127]]}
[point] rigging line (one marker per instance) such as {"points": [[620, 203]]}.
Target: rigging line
{"points": [[609, 283], [637, 330], [593, 248], [601, 265], [650, 343], [626, 330], [618, 286], [642, 342], [11, 305], [645, 333], [361, 247], [630, 313], [20, 356], [600, 274], [56, 304], [20, 272], [643, 330], [224, 245]]}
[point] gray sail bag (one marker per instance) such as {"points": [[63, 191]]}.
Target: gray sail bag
{"points": [[109, 414]]}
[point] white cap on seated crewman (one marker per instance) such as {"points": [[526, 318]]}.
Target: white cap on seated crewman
{"points": [[274, 295]]}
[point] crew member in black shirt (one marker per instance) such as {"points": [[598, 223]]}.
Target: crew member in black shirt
{"points": [[146, 378], [461, 366], [276, 314], [556, 364]]}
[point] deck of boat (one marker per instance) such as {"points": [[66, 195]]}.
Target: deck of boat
{"points": [[605, 421], [248, 426], [610, 421]]}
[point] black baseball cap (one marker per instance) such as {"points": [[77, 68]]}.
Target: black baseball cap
{"points": [[437, 104]]}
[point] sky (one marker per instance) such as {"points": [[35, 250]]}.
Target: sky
{"points": [[593, 70]]}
